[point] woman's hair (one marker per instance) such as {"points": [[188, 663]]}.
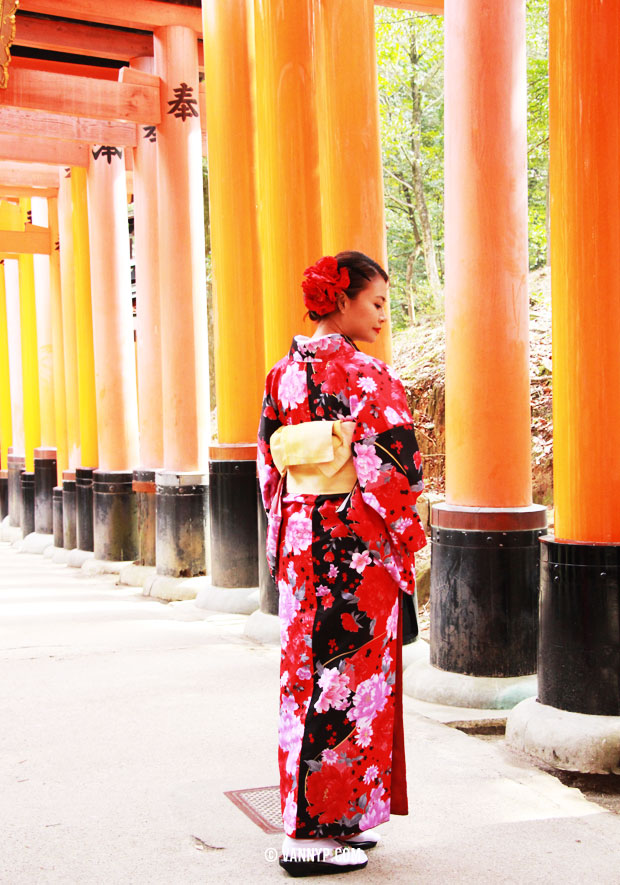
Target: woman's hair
{"points": [[362, 269]]}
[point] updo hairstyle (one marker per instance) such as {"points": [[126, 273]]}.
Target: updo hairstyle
{"points": [[362, 269]]}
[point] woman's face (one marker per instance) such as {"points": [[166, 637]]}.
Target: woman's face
{"points": [[362, 317]]}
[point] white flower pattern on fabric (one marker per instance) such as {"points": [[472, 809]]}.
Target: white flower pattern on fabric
{"points": [[335, 692], [289, 816], [392, 416], [367, 385], [293, 387]]}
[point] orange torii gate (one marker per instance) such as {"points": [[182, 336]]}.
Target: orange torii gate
{"points": [[133, 118]]}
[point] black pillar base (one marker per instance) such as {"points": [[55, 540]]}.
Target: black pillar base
{"points": [[115, 516], [144, 490], [57, 516], [267, 588], [4, 494], [16, 465], [27, 486], [484, 590], [579, 649], [45, 478], [69, 510], [234, 529], [181, 542], [84, 491]]}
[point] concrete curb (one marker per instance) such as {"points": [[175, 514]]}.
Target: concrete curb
{"points": [[565, 740], [170, 589], [237, 600], [415, 652], [8, 532], [134, 575], [36, 542], [427, 683], [264, 628], [77, 557], [104, 566]]}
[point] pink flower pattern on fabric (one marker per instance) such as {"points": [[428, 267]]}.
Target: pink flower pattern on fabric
{"points": [[293, 387], [367, 462], [335, 692], [298, 533], [370, 698]]}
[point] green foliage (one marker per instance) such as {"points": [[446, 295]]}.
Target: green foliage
{"points": [[410, 49]]}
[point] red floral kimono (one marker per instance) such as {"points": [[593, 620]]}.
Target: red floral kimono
{"points": [[340, 563]]}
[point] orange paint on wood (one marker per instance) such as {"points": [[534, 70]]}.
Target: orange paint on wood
{"points": [[289, 188], [232, 198], [67, 282], [141, 14], [60, 400], [50, 151], [183, 304], [33, 240], [27, 175], [115, 368], [47, 192], [148, 321], [488, 448], [350, 144], [584, 96], [81, 96], [23, 122], [61, 36], [432, 6]]}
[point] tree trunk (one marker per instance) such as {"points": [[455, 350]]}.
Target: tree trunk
{"points": [[410, 285], [428, 246]]}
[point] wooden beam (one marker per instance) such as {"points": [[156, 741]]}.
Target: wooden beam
{"points": [[431, 6], [141, 14], [82, 97], [19, 121], [50, 151], [55, 35], [44, 192], [32, 241], [27, 175]]}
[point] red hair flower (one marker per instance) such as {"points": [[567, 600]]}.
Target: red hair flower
{"points": [[324, 280]]}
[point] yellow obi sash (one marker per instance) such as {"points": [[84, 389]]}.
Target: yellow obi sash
{"points": [[315, 456]]}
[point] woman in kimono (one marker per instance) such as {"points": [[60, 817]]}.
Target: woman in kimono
{"points": [[340, 473]]}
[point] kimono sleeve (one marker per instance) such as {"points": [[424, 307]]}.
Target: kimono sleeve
{"points": [[268, 475], [389, 470]]}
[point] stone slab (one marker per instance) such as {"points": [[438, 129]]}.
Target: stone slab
{"points": [[36, 542], [565, 740], [427, 683]]}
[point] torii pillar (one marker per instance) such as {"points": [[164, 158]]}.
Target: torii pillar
{"points": [[58, 354], [30, 375], [67, 280], [85, 362], [16, 461], [237, 294], [485, 550], [575, 724], [6, 427], [148, 330], [182, 486], [45, 462], [115, 517]]}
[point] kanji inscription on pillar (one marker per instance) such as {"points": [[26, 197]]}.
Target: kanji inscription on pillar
{"points": [[183, 105], [108, 152], [150, 133]]}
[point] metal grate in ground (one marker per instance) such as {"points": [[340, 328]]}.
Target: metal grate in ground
{"points": [[261, 804]]}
